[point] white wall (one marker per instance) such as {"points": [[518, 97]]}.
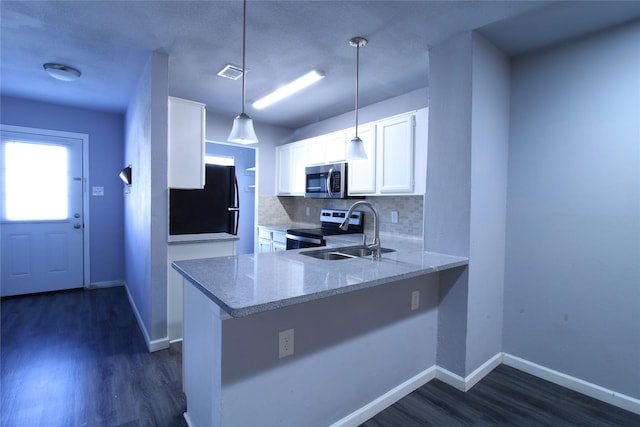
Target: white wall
{"points": [[572, 282]]}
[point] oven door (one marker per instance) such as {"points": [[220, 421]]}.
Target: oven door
{"points": [[300, 242]]}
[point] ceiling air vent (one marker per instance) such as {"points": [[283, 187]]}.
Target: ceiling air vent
{"points": [[232, 72]]}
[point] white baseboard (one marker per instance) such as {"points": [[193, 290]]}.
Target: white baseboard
{"points": [[152, 345], [389, 398], [465, 384], [105, 284], [187, 419], [592, 390]]}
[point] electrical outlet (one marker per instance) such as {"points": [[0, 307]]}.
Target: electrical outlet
{"points": [[308, 211], [285, 346], [394, 217], [415, 300]]}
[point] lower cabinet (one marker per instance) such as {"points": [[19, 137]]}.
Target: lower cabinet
{"points": [[181, 252], [270, 240]]}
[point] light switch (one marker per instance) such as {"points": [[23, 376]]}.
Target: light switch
{"points": [[97, 191]]}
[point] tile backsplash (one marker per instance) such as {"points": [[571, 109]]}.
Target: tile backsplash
{"points": [[279, 209]]}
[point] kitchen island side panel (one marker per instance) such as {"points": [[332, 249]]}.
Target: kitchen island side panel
{"points": [[201, 358], [348, 350]]}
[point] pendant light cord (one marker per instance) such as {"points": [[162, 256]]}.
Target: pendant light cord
{"points": [[357, 79], [244, 42]]}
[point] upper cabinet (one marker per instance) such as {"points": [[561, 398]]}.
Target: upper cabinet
{"points": [[396, 160], [291, 161], [316, 151], [361, 174], [186, 144], [336, 146]]}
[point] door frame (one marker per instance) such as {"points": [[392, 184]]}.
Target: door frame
{"points": [[84, 138]]}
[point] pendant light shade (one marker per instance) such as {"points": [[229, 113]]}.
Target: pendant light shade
{"points": [[242, 131], [355, 147]]}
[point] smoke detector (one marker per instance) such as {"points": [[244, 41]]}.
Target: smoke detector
{"points": [[232, 72]]}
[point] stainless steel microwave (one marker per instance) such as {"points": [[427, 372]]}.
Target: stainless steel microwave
{"points": [[326, 181]]}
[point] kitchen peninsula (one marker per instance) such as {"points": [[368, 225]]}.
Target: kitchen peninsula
{"points": [[359, 330]]}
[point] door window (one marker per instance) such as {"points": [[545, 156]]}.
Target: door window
{"points": [[36, 181]]}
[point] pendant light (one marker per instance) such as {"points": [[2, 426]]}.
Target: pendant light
{"points": [[355, 147], [242, 131]]}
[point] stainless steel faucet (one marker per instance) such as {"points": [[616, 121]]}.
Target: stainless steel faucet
{"points": [[375, 245]]}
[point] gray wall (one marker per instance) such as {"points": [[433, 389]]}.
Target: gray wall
{"points": [[572, 283], [145, 209], [446, 212], [347, 353], [106, 148], [401, 104], [489, 152], [465, 203]]}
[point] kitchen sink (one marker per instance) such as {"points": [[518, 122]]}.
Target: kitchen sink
{"points": [[343, 253]]}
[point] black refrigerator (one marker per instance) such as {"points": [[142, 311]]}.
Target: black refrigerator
{"points": [[213, 209]]}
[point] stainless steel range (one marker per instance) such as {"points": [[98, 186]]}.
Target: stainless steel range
{"points": [[330, 220]]}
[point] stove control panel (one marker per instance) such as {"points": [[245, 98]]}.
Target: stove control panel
{"points": [[336, 216]]}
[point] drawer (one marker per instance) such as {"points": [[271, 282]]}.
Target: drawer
{"points": [[279, 237], [264, 233]]}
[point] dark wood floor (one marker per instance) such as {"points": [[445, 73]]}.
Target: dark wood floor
{"points": [[77, 358], [505, 397]]}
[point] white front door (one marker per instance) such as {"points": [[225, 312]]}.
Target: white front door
{"points": [[42, 212]]}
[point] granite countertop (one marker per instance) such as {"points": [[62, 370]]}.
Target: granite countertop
{"points": [[246, 284], [198, 238]]}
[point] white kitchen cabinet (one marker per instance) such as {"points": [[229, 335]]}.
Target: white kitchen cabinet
{"points": [[330, 148], [396, 160], [335, 146], [264, 244], [362, 172], [395, 151], [283, 169], [186, 133], [279, 240], [291, 164], [316, 151], [389, 166], [270, 240], [184, 251]]}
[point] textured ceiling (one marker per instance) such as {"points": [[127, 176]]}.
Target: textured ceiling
{"points": [[109, 41]]}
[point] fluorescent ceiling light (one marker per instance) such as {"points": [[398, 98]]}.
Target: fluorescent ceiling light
{"points": [[288, 89]]}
